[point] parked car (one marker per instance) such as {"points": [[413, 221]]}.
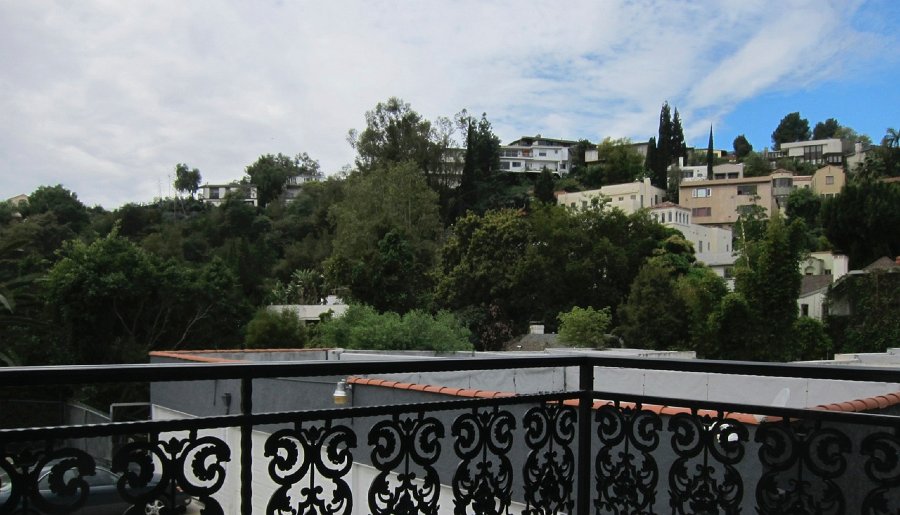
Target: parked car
{"points": [[103, 497]]}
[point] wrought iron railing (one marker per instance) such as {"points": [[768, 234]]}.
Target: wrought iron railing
{"points": [[552, 452]]}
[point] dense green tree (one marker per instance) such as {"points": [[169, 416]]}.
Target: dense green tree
{"points": [[791, 128], [270, 173], [810, 342], [733, 329], [710, 160], [650, 159], [871, 324], [619, 161], [742, 147], [827, 129], [480, 168], [802, 203], [585, 327], [653, 317], [755, 165], [187, 180], [275, 330], [543, 188], [664, 151], [678, 146], [767, 276], [386, 235], [59, 201], [700, 291], [362, 327], [112, 302], [395, 134], [855, 221]]}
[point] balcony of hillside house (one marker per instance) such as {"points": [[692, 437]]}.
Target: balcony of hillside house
{"points": [[340, 432]]}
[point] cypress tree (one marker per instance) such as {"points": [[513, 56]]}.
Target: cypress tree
{"points": [[650, 160], [679, 149], [709, 155], [663, 147]]}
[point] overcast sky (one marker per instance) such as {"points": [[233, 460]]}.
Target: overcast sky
{"points": [[105, 97]]}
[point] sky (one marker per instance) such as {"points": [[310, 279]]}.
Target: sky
{"points": [[105, 97]]}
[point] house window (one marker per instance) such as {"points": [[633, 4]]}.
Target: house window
{"points": [[813, 153], [621, 199], [786, 182], [670, 216], [804, 309], [633, 197], [829, 179], [516, 164], [542, 154], [747, 189], [701, 211], [504, 165], [702, 192], [214, 193], [584, 204], [562, 166]]}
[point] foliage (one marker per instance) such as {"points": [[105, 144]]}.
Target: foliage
{"points": [[802, 203], [275, 330], [386, 231], [619, 162], [670, 300], [855, 221], [112, 301], [395, 134], [543, 188], [755, 165], [810, 341], [480, 166], [768, 278], [678, 146], [710, 160], [791, 128], [585, 327], [662, 157], [59, 201], [742, 147], [871, 323], [187, 179], [362, 327], [827, 129], [306, 286], [270, 173], [534, 265]]}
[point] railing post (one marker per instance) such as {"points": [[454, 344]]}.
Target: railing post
{"points": [[585, 403], [246, 446]]}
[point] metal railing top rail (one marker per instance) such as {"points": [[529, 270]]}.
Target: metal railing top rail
{"points": [[157, 372]]}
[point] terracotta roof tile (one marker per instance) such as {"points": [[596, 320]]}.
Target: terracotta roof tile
{"points": [[433, 389]]}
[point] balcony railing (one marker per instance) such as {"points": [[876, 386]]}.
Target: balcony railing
{"points": [[568, 451]]}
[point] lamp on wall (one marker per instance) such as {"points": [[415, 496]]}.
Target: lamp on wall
{"points": [[342, 392]]}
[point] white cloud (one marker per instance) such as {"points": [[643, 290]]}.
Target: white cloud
{"points": [[106, 97]]}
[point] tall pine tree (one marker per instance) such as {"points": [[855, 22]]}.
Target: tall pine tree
{"points": [[679, 148], [663, 147], [709, 156]]}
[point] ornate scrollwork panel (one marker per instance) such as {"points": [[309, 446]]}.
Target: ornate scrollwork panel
{"points": [[801, 462], [483, 480], [703, 478], [550, 465], [316, 458], [883, 469], [403, 448], [626, 471], [46, 481], [152, 470]]}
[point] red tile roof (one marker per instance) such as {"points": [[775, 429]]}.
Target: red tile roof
{"points": [[857, 405]]}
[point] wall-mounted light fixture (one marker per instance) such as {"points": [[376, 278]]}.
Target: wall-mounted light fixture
{"points": [[342, 392]]}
